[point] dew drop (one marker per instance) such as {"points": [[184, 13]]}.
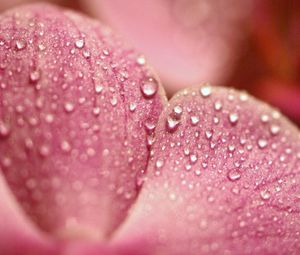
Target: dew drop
{"points": [[172, 124], [65, 146], [218, 106], [150, 125], [44, 150], [149, 87], [177, 110], [234, 175], [205, 91], [233, 118], [274, 129], [194, 120], [132, 107], [264, 118], [208, 134], [69, 107], [114, 101], [98, 88], [35, 75], [4, 130], [262, 143], [141, 60], [20, 44], [79, 43], [265, 195], [159, 163], [193, 158]]}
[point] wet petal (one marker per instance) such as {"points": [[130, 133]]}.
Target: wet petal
{"points": [[16, 226], [74, 103], [187, 41], [223, 180]]}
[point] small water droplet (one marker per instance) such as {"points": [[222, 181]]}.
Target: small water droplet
{"points": [[218, 105], [150, 125], [265, 194], [69, 107], [4, 130], [205, 91], [65, 146], [114, 101], [172, 124], [274, 129], [208, 134], [264, 118], [234, 175], [159, 163], [79, 43], [262, 143], [193, 158], [98, 88], [44, 150], [20, 44], [194, 120], [132, 107], [244, 97], [233, 118], [141, 60], [35, 76], [177, 110], [42, 47], [149, 87]]}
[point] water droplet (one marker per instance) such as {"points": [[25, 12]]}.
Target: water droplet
{"points": [[150, 125], [141, 60], [265, 195], [69, 107], [274, 129], [149, 87], [194, 120], [244, 97], [35, 75], [42, 47], [193, 158], [172, 124], [208, 134], [234, 175], [114, 101], [79, 43], [233, 118], [262, 143], [218, 105], [20, 44], [44, 150], [159, 163], [65, 146], [4, 129], [177, 110], [98, 88], [132, 107], [264, 118], [205, 91]]}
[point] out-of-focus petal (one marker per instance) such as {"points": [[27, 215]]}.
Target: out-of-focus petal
{"points": [[187, 41], [76, 108], [224, 178], [17, 234]]}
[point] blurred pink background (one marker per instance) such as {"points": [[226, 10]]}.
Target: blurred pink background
{"points": [[248, 44]]}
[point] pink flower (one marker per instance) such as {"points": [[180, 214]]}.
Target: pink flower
{"points": [[94, 160]]}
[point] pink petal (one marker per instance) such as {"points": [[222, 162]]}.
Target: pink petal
{"points": [[17, 234], [223, 179], [73, 107], [186, 41]]}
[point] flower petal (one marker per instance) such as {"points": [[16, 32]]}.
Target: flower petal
{"points": [[74, 103], [15, 226], [223, 179], [187, 41]]}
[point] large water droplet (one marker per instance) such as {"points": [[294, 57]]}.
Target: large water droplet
{"points": [[149, 87]]}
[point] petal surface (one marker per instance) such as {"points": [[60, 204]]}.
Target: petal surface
{"points": [[15, 226], [223, 179], [76, 108], [187, 41]]}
